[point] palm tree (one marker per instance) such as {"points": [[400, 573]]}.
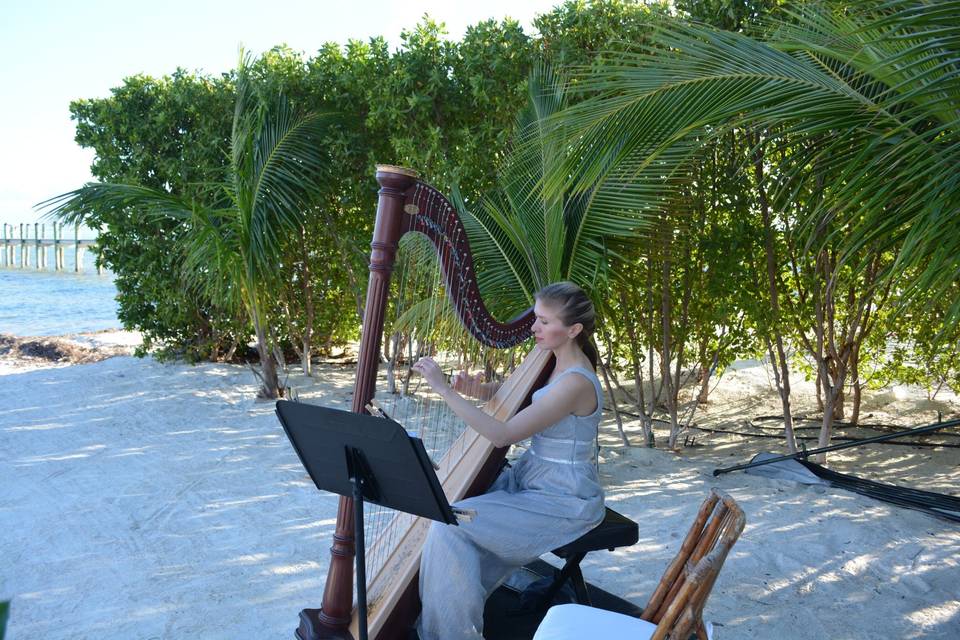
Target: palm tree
{"points": [[860, 101], [232, 250], [523, 239], [865, 98]]}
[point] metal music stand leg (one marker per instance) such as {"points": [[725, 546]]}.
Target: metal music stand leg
{"points": [[357, 481]]}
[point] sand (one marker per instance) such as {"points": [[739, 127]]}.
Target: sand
{"points": [[149, 500]]}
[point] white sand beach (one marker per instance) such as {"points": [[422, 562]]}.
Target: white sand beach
{"points": [[149, 500]]}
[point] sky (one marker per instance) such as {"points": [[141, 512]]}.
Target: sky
{"points": [[55, 51]]}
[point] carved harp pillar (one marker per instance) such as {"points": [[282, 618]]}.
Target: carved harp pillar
{"points": [[470, 462]]}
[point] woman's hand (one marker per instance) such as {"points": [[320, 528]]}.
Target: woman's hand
{"points": [[431, 372]]}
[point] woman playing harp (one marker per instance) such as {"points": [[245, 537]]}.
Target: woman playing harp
{"points": [[443, 317], [549, 498]]}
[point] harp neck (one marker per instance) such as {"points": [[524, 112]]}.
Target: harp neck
{"points": [[429, 212], [407, 204]]}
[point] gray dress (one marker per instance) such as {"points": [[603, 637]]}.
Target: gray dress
{"points": [[549, 497]]}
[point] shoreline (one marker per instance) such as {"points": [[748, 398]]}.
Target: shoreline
{"points": [[148, 499]]}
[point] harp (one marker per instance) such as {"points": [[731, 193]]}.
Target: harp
{"points": [[470, 464]]}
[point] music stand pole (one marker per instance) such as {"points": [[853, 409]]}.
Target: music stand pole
{"points": [[358, 481]]}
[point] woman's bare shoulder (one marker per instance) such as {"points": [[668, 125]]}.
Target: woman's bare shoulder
{"points": [[573, 385], [579, 390]]}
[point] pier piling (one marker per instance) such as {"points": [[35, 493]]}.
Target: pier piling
{"points": [[16, 247]]}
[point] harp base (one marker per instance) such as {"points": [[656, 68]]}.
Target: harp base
{"points": [[313, 628]]}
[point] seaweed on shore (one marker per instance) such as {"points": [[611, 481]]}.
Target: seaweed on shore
{"points": [[53, 349]]}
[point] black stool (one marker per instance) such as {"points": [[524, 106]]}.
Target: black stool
{"points": [[616, 530]]}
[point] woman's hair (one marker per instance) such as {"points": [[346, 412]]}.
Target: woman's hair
{"points": [[573, 306]]}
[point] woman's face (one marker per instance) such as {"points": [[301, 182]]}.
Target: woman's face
{"points": [[548, 330]]}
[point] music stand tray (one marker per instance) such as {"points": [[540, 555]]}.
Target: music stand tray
{"points": [[368, 459]]}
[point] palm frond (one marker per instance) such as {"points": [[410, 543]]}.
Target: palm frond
{"points": [[211, 263], [867, 97], [86, 204], [279, 160]]}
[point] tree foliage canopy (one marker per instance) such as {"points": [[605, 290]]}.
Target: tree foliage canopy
{"points": [[729, 178]]}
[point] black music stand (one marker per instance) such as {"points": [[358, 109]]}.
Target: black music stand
{"points": [[367, 459]]}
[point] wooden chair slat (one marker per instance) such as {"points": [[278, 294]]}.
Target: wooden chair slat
{"points": [[675, 568], [676, 606]]}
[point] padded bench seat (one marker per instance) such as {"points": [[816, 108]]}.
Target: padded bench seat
{"points": [[616, 530]]}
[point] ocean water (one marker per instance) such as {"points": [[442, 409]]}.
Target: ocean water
{"points": [[44, 303]]}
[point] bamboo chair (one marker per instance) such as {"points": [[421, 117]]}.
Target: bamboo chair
{"points": [[675, 610]]}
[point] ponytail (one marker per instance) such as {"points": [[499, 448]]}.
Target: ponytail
{"points": [[589, 349]]}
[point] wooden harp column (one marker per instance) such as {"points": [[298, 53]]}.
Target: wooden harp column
{"points": [[407, 204]]}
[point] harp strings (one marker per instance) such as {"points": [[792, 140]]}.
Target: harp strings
{"points": [[378, 533], [422, 321], [417, 324]]}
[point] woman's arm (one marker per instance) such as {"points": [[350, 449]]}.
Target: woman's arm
{"points": [[561, 400]]}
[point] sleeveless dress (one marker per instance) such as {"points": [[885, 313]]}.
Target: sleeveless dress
{"points": [[549, 497]]}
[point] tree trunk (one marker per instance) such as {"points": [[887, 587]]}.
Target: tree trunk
{"points": [[228, 356], [857, 385], [408, 374], [781, 368], [819, 383], [826, 426], [705, 370], [830, 362], [270, 381], [860, 330], [666, 315], [655, 396], [646, 423], [391, 359], [307, 291], [605, 369], [838, 379]]}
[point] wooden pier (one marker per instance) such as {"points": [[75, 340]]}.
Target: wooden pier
{"points": [[18, 248]]}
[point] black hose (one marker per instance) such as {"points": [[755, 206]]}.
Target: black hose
{"points": [[836, 447]]}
